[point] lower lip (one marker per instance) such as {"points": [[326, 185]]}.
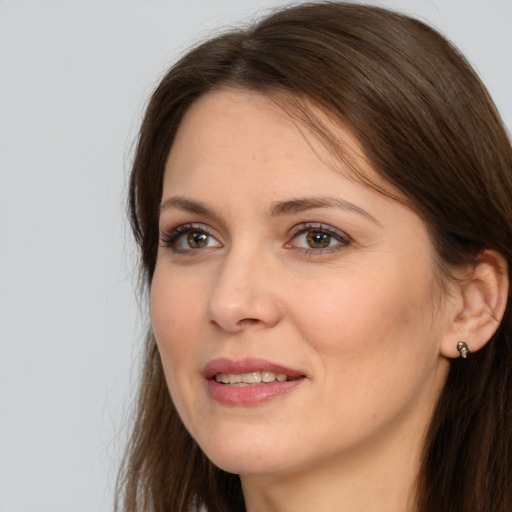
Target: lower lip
{"points": [[254, 394]]}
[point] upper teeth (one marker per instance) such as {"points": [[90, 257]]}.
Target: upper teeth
{"points": [[250, 378]]}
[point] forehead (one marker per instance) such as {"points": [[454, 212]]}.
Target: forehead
{"points": [[239, 128]]}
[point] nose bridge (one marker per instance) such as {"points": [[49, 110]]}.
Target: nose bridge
{"points": [[242, 293]]}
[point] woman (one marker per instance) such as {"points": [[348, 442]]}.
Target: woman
{"points": [[323, 206]]}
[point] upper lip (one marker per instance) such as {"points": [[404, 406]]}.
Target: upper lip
{"points": [[237, 366]]}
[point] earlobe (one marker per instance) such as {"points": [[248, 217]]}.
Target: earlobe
{"points": [[480, 304]]}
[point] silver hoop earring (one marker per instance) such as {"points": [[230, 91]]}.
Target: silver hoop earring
{"points": [[463, 349]]}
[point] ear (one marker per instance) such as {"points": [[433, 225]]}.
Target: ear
{"points": [[478, 303]]}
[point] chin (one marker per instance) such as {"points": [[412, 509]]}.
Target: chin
{"points": [[246, 454], [240, 466]]}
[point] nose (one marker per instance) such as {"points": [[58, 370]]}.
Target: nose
{"points": [[243, 295]]}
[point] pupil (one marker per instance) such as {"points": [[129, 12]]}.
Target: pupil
{"points": [[197, 240], [318, 240]]}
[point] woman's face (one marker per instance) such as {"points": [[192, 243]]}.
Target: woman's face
{"points": [[275, 267]]}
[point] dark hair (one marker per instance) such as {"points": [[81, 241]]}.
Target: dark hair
{"points": [[428, 127]]}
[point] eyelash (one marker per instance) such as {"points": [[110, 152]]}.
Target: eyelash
{"points": [[343, 239], [172, 239]]}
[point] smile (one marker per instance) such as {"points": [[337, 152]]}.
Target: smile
{"points": [[250, 382], [246, 379]]}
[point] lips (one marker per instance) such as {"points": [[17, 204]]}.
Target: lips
{"points": [[249, 382], [241, 366]]}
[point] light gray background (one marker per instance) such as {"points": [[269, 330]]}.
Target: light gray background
{"points": [[74, 77]]}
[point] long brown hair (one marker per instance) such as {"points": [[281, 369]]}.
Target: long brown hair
{"points": [[429, 127]]}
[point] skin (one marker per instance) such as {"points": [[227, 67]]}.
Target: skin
{"points": [[364, 320]]}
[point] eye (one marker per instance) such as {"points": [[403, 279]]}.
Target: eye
{"points": [[195, 240], [318, 237], [189, 238]]}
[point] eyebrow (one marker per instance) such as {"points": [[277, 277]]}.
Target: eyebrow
{"points": [[279, 208], [187, 205], [310, 203]]}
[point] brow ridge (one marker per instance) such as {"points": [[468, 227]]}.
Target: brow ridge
{"points": [[279, 208], [308, 203], [187, 205]]}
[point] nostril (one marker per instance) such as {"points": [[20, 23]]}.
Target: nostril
{"points": [[248, 321], [243, 323]]}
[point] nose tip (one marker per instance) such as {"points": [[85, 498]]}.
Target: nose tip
{"points": [[243, 298]]}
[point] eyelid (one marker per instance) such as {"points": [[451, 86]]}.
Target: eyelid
{"points": [[320, 226], [305, 227], [170, 237]]}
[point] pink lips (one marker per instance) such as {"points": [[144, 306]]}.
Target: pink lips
{"points": [[253, 394]]}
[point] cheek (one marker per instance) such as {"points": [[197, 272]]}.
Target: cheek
{"points": [[375, 345], [175, 317], [371, 316], [176, 321]]}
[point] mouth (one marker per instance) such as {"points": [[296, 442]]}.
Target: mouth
{"points": [[251, 378], [250, 382]]}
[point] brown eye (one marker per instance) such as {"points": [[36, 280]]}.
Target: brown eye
{"points": [[315, 238], [197, 240], [318, 239], [189, 238]]}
